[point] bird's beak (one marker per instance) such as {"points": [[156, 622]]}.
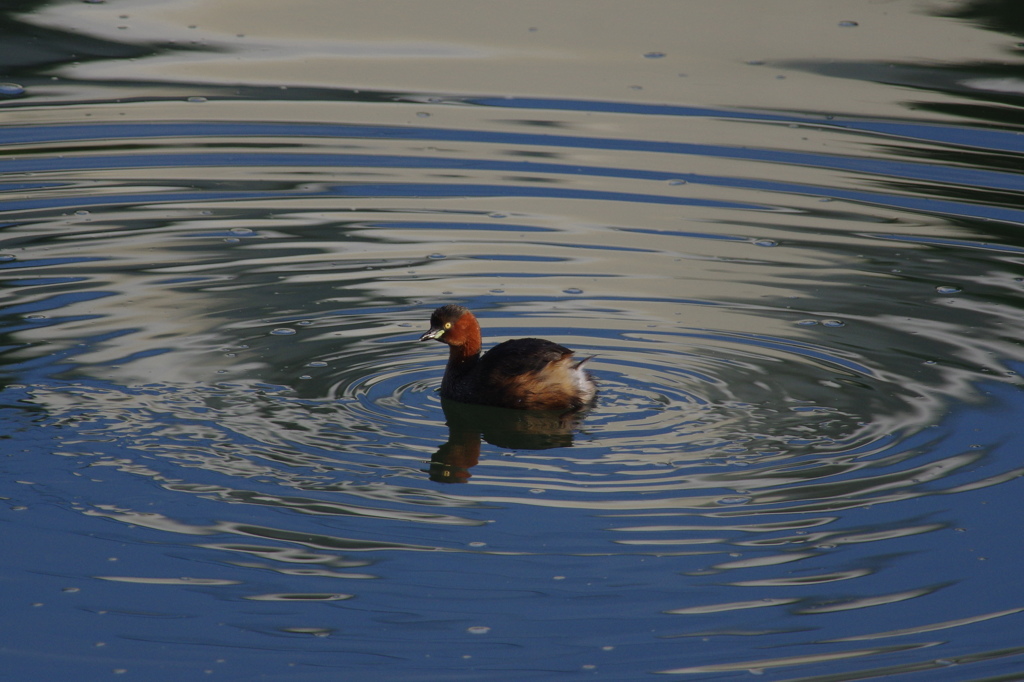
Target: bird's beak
{"points": [[432, 333]]}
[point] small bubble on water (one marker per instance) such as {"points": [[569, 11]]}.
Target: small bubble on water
{"points": [[437, 256], [316, 363], [848, 24], [422, 114], [497, 215], [478, 630], [948, 289], [833, 323], [654, 55], [11, 89], [241, 230], [572, 290], [305, 377], [81, 212], [497, 291], [677, 181], [733, 499], [537, 491], [283, 331], [765, 242], [7, 257], [197, 99], [807, 323], [304, 323]]}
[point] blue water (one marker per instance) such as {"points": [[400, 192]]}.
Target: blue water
{"points": [[225, 456]]}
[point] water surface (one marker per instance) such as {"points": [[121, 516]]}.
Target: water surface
{"points": [[791, 241]]}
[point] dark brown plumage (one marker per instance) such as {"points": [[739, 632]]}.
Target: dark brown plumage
{"points": [[529, 374]]}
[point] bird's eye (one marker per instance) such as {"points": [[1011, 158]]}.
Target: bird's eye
{"points": [[447, 325]]}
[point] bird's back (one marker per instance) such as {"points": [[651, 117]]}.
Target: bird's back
{"points": [[535, 374]]}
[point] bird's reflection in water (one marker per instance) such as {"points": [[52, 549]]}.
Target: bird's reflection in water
{"points": [[506, 428]]}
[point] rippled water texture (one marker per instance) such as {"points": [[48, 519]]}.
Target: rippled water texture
{"points": [[790, 233]]}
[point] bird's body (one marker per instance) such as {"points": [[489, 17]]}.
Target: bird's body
{"points": [[531, 374]]}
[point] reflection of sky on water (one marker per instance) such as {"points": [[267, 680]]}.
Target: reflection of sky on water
{"points": [[791, 244]]}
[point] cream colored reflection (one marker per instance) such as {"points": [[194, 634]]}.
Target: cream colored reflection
{"points": [[583, 49]]}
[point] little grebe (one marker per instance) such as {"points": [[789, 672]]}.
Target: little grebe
{"points": [[526, 374]]}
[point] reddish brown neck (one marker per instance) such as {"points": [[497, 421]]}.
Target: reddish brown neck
{"points": [[466, 332]]}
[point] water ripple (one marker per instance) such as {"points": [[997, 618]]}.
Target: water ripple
{"points": [[210, 342]]}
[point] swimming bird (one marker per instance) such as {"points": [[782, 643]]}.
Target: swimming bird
{"points": [[525, 374]]}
